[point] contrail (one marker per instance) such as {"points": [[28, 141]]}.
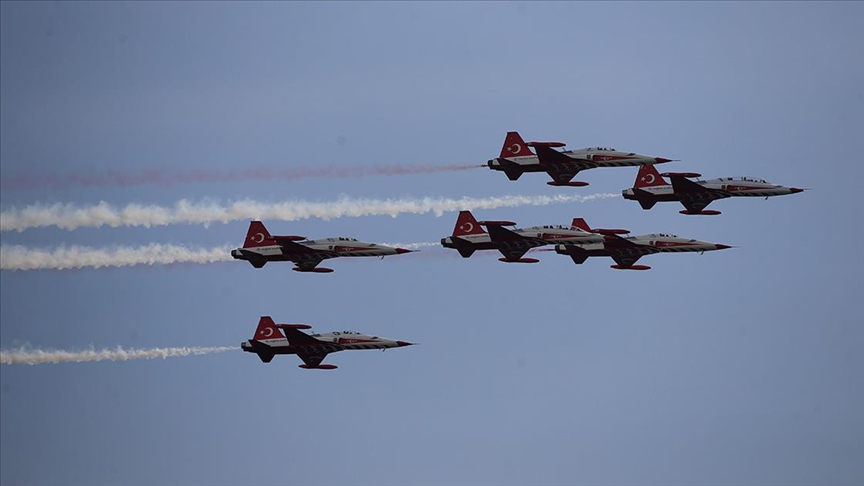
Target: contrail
{"points": [[18, 257], [167, 178], [71, 217], [38, 356]]}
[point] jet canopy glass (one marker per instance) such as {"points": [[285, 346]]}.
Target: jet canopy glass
{"points": [[746, 179]]}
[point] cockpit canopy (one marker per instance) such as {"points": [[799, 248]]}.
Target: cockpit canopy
{"points": [[604, 149], [341, 238], [744, 179], [663, 235], [553, 226]]}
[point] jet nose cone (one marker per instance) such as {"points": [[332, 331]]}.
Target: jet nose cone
{"points": [[661, 160], [795, 190], [722, 247], [402, 250], [403, 343]]}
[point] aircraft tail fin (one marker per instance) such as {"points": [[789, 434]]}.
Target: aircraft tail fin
{"points": [[467, 225], [258, 236], [514, 146], [581, 224], [267, 330], [648, 177]]}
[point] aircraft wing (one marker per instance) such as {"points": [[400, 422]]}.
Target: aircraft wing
{"points": [[560, 167], [312, 358], [511, 244], [695, 197], [625, 252], [299, 338], [627, 256], [304, 257]]}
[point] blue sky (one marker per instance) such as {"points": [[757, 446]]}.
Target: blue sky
{"points": [[740, 367]]}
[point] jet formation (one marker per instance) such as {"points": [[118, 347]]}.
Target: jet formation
{"points": [[578, 241], [269, 340]]}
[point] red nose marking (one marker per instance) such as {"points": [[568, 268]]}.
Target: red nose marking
{"points": [[660, 160], [402, 250], [722, 247], [795, 189], [404, 343]]}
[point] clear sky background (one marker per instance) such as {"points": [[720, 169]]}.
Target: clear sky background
{"points": [[738, 367]]}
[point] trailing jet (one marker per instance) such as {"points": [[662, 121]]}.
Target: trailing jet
{"points": [[650, 187], [468, 237], [627, 250], [516, 159], [269, 341], [260, 247]]}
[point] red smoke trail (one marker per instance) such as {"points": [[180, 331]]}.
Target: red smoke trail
{"points": [[161, 177]]}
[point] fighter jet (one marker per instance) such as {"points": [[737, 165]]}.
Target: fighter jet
{"points": [[516, 158], [650, 187], [260, 248], [627, 250], [468, 236], [269, 341]]}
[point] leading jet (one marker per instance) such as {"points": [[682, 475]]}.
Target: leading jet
{"points": [[269, 341], [517, 158], [650, 188], [469, 236], [626, 251], [260, 247]]}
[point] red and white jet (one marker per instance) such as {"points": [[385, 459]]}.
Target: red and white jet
{"points": [[516, 159], [627, 250], [468, 237], [650, 187], [269, 341], [260, 247]]}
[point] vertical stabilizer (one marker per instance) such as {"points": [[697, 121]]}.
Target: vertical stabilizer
{"points": [[467, 225], [258, 236], [581, 224], [514, 146], [267, 330], [648, 177]]}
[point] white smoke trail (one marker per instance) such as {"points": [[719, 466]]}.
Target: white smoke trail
{"points": [[17, 257], [71, 217], [38, 356]]}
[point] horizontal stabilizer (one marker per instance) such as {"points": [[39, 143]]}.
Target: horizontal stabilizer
{"points": [[513, 174], [465, 252]]}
